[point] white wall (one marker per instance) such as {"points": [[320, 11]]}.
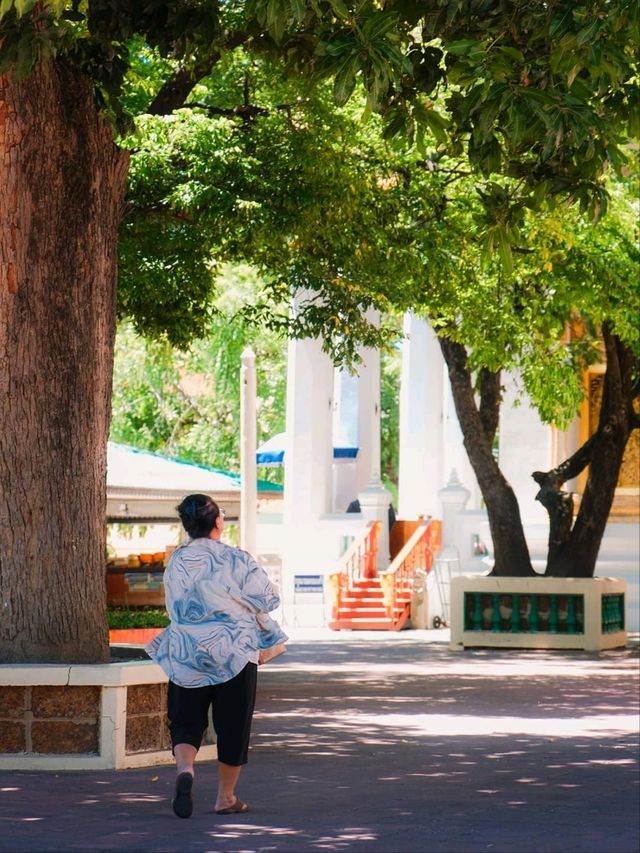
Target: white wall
{"points": [[525, 446], [421, 456]]}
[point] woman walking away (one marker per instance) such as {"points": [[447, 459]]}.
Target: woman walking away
{"points": [[218, 599]]}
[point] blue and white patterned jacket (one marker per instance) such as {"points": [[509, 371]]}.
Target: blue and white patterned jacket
{"points": [[217, 598]]}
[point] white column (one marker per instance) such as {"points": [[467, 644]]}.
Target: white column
{"points": [[368, 462], [374, 498], [356, 412], [421, 472], [345, 434], [525, 445], [308, 450], [248, 471], [308, 457]]}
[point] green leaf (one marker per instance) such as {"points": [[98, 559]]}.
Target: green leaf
{"points": [[561, 24], [461, 47], [436, 123], [588, 33], [379, 25], [340, 9], [577, 68], [512, 53], [396, 121], [540, 192], [299, 9], [23, 6], [504, 250], [345, 82], [633, 125]]}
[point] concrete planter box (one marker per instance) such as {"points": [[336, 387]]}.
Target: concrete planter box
{"points": [[85, 717], [538, 613]]}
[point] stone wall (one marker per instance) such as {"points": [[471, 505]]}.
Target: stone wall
{"points": [[147, 718], [86, 716], [49, 719]]}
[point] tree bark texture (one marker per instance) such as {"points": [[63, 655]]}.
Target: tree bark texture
{"points": [[573, 550], [478, 426], [61, 191]]}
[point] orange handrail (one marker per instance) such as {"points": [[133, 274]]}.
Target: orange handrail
{"points": [[357, 563], [417, 555]]}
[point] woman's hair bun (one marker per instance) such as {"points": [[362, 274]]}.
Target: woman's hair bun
{"points": [[198, 514], [189, 506]]}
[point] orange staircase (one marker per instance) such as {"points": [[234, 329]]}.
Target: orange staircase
{"points": [[363, 606], [367, 601]]}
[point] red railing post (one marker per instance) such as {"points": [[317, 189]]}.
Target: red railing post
{"points": [[417, 554], [371, 555]]}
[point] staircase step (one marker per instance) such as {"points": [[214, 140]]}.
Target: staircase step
{"points": [[364, 594], [373, 602], [362, 602], [362, 607], [367, 614], [369, 624], [362, 625]]}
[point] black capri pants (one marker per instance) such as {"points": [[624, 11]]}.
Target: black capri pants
{"points": [[232, 705]]}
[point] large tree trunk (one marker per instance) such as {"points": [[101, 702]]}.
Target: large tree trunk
{"points": [[573, 550], [61, 188], [478, 425]]}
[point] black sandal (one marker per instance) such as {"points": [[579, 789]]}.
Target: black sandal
{"points": [[182, 802]]}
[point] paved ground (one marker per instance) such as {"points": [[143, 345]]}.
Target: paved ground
{"points": [[384, 744]]}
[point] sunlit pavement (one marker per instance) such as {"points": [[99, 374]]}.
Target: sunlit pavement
{"points": [[387, 743]]}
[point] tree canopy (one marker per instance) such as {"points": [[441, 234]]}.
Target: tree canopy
{"points": [[536, 101], [315, 199], [546, 92]]}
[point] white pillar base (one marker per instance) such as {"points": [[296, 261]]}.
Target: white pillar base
{"points": [[374, 506]]}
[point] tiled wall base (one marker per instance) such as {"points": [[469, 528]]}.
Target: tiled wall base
{"points": [[538, 613], [79, 717]]}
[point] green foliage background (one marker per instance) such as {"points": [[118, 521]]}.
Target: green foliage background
{"points": [[186, 403]]}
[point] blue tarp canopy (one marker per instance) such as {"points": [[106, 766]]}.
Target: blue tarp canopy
{"points": [[272, 451]]}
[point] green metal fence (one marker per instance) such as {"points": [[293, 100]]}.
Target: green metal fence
{"points": [[529, 613], [612, 613]]}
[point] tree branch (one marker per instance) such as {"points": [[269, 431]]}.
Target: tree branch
{"points": [[510, 547], [612, 391], [244, 111], [570, 468], [158, 210], [433, 166], [471, 422], [490, 399], [175, 91], [618, 377]]}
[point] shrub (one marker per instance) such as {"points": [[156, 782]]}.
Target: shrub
{"points": [[142, 617]]}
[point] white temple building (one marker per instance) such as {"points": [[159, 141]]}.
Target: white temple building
{"points": [[328, 408]]}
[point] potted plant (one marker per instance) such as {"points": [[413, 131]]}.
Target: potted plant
{"points": [[135, 626]]}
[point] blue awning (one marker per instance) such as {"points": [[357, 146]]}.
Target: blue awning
{"points": [[272, 451]]}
